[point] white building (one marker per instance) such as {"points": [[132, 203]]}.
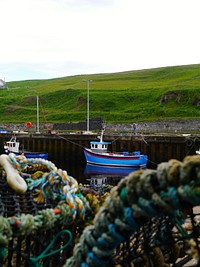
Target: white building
{"points": [[2, 84]]}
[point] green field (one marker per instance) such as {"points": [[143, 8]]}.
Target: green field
{"points": [[116, 97]]}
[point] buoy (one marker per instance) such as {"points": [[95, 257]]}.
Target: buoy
{"points": [[29, 124]]}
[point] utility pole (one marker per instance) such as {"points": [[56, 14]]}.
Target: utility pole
{"points": [[88, 104], [38, 123]]}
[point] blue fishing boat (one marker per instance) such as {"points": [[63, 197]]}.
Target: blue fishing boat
{"points": [[13, 146], [98, 154]]}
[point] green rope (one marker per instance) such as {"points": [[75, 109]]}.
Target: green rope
{"points": [[34, 262], [169, 191], [143, 194], [3, 251]]}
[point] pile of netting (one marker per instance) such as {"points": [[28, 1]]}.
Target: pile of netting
{"points": [[151, 218]]}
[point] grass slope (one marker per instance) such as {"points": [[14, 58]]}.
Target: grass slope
{"points": [[117, 97]]}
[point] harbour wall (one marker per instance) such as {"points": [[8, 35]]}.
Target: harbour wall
{"points": [[69, 147]]}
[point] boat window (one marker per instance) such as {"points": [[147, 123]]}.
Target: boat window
{"points": [[94, 146]]}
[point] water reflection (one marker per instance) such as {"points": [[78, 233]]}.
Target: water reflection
{"points": [[108, 171], [101, 175], [91, 174]]}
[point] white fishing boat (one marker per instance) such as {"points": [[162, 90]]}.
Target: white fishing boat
{"points": [[14, 146]]}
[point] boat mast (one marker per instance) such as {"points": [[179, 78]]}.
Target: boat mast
{"points": [[38, 123], [101, 136]]}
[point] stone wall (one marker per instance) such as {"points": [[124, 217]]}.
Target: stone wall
{"points": [[175, 125], [165, 126]]}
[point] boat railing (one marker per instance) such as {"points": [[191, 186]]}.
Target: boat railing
{"points": [[136, 153], [126, 153]]}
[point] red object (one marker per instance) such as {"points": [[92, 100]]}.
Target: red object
{"points": [[56, 211], [29, 124]]}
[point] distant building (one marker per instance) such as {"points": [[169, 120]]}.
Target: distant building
{"points": [[2, 84]]}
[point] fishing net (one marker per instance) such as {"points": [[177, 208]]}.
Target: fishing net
{"points": [[151, 218]]}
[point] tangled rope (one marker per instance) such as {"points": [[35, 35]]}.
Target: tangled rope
{"points": [[168, 191], [147, 204], [53, 185]]}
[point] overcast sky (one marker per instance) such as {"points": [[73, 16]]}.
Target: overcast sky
{"points": [[42, 39]]}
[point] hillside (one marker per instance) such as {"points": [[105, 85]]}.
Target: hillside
{"points": [[152, 94]]}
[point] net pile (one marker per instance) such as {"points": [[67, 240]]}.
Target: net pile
{"points": [[18, 247], [148, 219]]}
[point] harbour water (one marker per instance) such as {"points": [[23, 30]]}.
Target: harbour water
{"points": [[89, 174], [66, 151], [74, 168]]}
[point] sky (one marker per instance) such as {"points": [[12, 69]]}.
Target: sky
{"points": [[44, 39]]}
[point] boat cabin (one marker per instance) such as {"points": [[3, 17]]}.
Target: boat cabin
{"points": [[99, 146], [12, 145]]}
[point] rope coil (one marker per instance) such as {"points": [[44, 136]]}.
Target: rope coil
{"points": [[172, 189], [55, 185], [147, 204]]}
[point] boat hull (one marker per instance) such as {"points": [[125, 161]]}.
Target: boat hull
{"points": [[31, 155], [109, 159]]}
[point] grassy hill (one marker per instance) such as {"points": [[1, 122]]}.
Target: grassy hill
{"points": [[152, 94]]}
